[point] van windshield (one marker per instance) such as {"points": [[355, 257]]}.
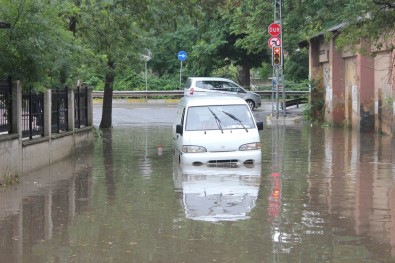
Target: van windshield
{"points": [[229, 116]]}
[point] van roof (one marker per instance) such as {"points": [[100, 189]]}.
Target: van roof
{"points": [[203, 100]]}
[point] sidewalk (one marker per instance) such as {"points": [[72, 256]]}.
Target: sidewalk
{"points": [[293, 114]]}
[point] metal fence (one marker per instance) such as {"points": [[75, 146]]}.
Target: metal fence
{"points": [[36, 114], [32, 113], [81, 107], [5, 105], [59, 117]]}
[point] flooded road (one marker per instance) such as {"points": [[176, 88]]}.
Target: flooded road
{"points": [[320, 195]]}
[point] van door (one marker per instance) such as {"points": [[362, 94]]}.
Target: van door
{"points": [[179, 121]]}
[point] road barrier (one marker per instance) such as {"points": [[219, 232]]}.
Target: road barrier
{"points": [[180, 93]]}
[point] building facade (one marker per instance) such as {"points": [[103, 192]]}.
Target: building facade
{"points": [[355, 90]]}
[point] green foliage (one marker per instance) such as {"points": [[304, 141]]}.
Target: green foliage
{"points": [[249, 19], [61, 41], [307, 112], [388, 104], [164, 83], [130, 80], [95, 81], [303, 85], [10, 179], [296, 66], [265, 71], [37, 49], [373, 21], [229, 72]]}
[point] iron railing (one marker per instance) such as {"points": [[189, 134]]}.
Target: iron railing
{"points": [[81, 107], [59, 117], [32, 113], [5, 105]]}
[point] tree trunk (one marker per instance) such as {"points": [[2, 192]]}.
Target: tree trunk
{"points": [[106, 117], [73, 19], [243, 72]]}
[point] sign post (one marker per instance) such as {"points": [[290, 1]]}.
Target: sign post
{"points": [[275, 44], [182, 55], [146, 57]]}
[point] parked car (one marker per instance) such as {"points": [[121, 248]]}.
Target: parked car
{"points": [[198, 85], [216, 130]]}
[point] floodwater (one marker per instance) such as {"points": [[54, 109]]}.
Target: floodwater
{"points": [[320, 195]]}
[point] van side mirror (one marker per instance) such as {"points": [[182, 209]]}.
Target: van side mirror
{"points": [[259, 125], [179, 129]]}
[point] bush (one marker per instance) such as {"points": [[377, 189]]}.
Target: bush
{"points": [[290, 85], [129, 80]]}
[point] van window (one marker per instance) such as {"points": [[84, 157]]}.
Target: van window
{"points": [[218, 117], [183, 116]]}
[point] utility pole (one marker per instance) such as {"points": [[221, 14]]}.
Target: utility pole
{"points": [[278, 61]]}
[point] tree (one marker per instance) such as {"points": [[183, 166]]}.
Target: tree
{"points": [[112, 29], [246, 35], [372, 20], [35, 48], [183, 25]]}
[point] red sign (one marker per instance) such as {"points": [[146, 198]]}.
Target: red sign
{"points": [[274, 41], [274, 29]]}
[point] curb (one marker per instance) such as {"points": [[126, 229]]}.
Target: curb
{"points": [[288, 120]]}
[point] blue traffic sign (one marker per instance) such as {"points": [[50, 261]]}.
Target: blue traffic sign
{"points": [[182, 55]]}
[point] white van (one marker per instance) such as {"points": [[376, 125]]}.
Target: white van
{"points": [[216, 130]]}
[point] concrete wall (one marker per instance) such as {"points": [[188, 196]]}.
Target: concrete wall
{"points": [[351, 96], [365, 83], [316, 73], [338, 84], [357, 90], [10, 153], [384, 93]]}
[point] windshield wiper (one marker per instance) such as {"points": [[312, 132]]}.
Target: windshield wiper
{"points": [[217, 120], [236, 119]]}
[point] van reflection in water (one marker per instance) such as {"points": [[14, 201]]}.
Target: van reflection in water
{"points": [[217, 193]]}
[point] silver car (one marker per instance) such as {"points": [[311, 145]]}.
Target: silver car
{"points": [[205, 85]]}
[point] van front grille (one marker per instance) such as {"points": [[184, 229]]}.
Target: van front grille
{"points": [[223, 163]]}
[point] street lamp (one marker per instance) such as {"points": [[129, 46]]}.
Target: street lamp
{"points": [[146, 57]]}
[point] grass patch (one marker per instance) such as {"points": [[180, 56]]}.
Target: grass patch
{"points": [[7, 180]]}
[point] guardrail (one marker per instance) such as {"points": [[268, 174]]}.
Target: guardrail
{"points": [[180, 93]]}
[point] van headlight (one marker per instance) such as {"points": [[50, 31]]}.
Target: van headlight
{"points": [[193, 149], [250, 146]]}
